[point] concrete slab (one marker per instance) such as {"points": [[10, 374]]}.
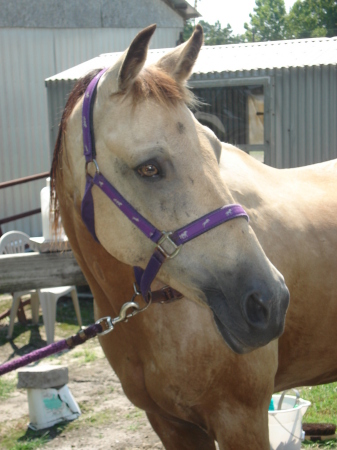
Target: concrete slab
{"points": [[42, 377]]}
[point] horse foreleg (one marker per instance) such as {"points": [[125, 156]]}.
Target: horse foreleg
{"points": [[180, 435], [243, 430]]}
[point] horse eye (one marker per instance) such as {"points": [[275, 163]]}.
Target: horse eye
{"points": [[149, 170]]}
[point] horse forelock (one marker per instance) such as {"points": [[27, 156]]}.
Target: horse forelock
{"points": [[154, 83]]}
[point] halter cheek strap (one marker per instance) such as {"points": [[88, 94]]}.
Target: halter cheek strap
{"points": [[168, 244]]}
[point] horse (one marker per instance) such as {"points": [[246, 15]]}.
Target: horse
{"points": [[203, 367]]}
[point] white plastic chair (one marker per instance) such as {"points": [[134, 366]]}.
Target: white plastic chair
{"points": [[10, 243], [48, 299], [17, 242]]}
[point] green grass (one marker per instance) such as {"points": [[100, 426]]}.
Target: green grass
{"points": [[137, 418], [7, 386], [87, 355], [89, 418], [323, 409], [30, 444], [323, 403], [27, 337], [16, 436]]}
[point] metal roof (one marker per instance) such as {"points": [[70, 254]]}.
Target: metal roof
{"points": [[235, 57], [94, 14], [183, 8]]}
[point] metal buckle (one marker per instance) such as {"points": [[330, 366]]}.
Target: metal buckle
{"points": [[96, 166], [169, 295], [165, 236]]}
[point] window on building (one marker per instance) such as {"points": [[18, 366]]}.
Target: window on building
{"points": [[235, 114]]}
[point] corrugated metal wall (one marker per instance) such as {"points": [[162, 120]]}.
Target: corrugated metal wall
{"points": [[28, 57], [305, 116], [300, 115]]}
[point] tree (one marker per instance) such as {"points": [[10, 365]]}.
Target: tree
{"points": [[188, 30], [312, 18], [213, 34], [267, 23]]}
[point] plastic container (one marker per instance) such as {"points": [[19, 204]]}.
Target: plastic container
{"points": [[45, 211], [47, 231], [285, 422], [50, 406]]}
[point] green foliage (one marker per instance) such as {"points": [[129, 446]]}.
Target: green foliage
{"points": [[213, 34], [6, 387], [21, 438], [312, 18], [270, 22], [267, 23], [188, 30], [323, 400], [30, 444], [323, 408]]}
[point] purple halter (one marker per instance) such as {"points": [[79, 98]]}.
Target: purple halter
{"points": [[174, 239]]}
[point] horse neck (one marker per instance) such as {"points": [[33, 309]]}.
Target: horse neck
{"points": [[252, 184], [277, 191]]}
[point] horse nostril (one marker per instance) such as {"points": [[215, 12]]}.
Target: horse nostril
{"points": [[256, 312]]}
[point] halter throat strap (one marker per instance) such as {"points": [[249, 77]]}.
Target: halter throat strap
{"points": [[168, 244]]}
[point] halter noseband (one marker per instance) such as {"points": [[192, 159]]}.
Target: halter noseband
{"points": [[173, 240]]}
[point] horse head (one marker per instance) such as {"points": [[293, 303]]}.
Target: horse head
{"points": [[151, 148]]}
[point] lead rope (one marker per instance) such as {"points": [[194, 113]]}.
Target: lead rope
{"points": [[100, 328]]}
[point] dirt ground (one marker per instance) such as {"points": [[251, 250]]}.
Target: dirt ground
{"points": [[108, 419]]}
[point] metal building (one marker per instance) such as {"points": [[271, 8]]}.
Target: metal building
{"points": [[39, 38], [275, 100]]}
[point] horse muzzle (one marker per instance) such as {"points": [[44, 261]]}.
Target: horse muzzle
{"points": [[252, 319]]}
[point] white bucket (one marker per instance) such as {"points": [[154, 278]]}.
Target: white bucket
{"points": [[285, 424], [50, 406]]}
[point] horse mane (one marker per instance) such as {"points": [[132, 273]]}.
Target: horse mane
{"points": [[76, 93], [151, 82]]}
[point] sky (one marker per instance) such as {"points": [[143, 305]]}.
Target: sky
{"points": [[234, 12]]}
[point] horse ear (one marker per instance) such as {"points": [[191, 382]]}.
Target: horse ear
{"points": [[121, 75], [179, 62]]}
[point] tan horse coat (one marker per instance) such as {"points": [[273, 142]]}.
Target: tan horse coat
{"points": [[172, 361]]}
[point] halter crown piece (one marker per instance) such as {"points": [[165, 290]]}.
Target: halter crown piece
{"points": [[173, 240]]}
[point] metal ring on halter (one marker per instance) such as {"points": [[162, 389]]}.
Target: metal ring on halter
{"points": [[137, 292], [149, 294], [96, 166]]}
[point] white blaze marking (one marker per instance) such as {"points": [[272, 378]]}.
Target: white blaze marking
{"points": [[229, 212], [205, 223], [101, 183], [117, 202], [135, 219], [84, 122]]}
